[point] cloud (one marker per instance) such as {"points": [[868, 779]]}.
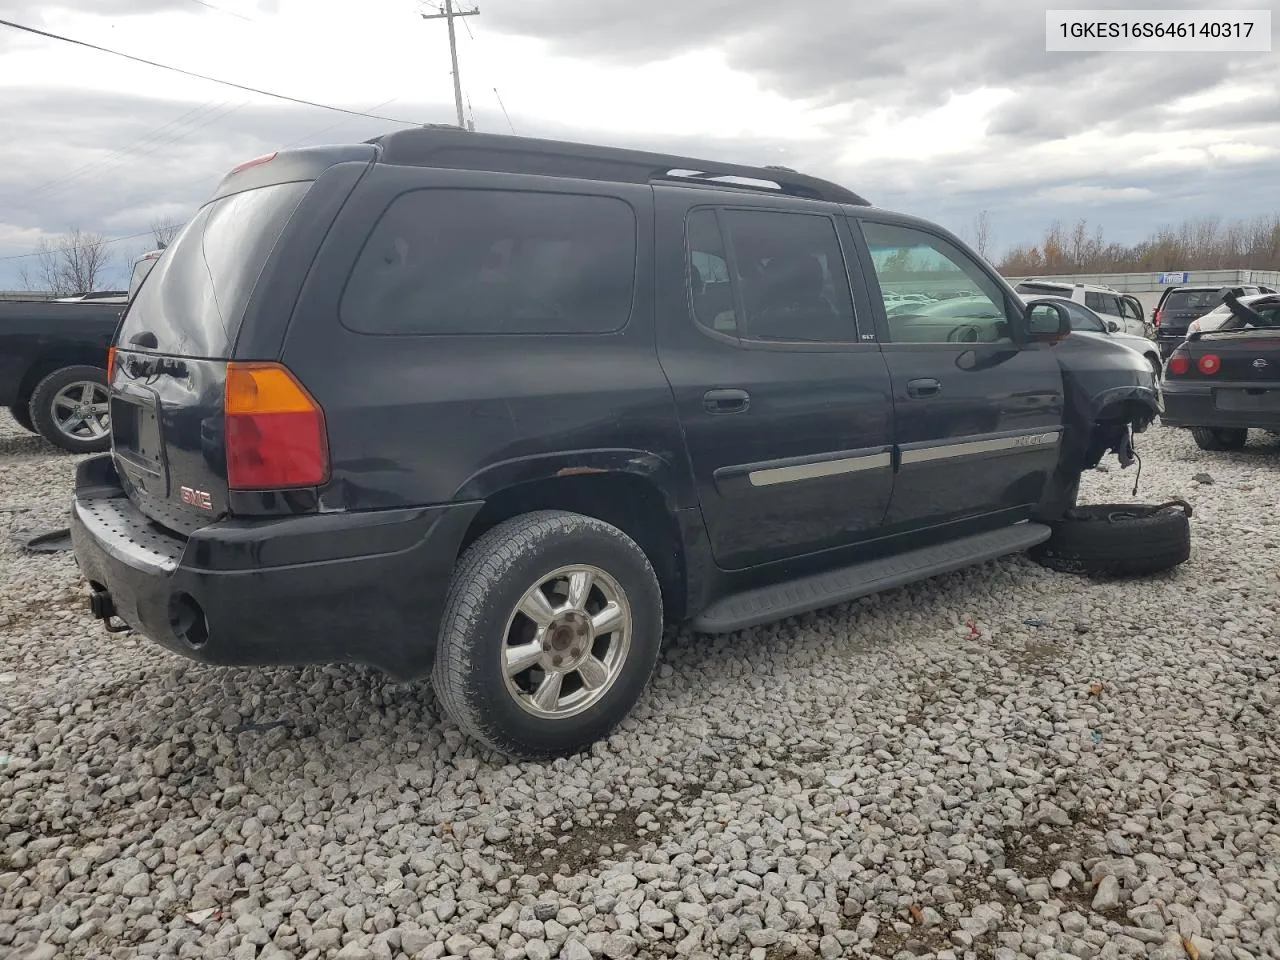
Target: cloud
{"points": [[1090, 195], [920, 105]]}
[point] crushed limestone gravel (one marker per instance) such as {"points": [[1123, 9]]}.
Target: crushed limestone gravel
{"points": [[1004, 762]]}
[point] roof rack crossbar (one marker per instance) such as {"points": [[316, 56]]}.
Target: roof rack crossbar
{"points": [[500, 153]]}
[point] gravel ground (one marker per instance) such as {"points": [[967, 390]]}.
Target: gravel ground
{"points": [[1002, 762]]}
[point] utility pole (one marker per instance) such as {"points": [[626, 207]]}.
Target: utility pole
{"points": [[448, 14]]}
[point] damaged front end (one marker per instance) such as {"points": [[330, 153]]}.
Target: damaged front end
{"points": [[1110, 394]]}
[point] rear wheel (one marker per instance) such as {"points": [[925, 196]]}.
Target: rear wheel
{"points": [[1217, 439], [551, 629], [69, 409], [22, 413]]}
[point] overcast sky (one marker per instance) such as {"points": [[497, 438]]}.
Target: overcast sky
{"points": [[934, 107]]}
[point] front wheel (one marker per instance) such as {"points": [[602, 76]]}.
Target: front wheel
{"points": [[1216, 439], [551, 630]]}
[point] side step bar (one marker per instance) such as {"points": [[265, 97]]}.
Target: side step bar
{"points": [[767, 604]]}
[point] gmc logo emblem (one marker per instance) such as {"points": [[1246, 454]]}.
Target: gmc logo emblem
{"points": [[197, 498]]}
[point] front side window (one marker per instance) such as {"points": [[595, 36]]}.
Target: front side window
{"points": [[943, 295], [1083, 319], [494, 262]]}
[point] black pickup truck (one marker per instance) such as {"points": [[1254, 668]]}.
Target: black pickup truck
{"points": [[53, 367]]}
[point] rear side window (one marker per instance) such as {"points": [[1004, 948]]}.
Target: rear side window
{"points": [[494, 262], [1103, 303], [785, 270], [194, 298]]}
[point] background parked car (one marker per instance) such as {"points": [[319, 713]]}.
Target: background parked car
{"points": [[1121, 312], [1223, 383], [1215, 318], [53, 367], [141, 268], [1179, 306], [1088, 324]]}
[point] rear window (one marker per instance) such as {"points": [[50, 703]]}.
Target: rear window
{"points": [[1193, 300], [195, 296], [443, 261]]}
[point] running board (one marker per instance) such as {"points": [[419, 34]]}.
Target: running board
{"points": [[767, 604]]}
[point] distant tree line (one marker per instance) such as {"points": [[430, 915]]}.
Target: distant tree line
{"points": [[1207, 243]]}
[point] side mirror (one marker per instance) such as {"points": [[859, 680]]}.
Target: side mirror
{"points": [[1113, 326], [1047, 322]]}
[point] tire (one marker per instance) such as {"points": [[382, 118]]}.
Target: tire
{"points": [[482, 618], [1118, 540], [1219, 439], [22, 413], [49, 414]]}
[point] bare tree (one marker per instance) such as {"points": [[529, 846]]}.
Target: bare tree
{"points": [[163, 231], [982, 234], [71, 265]]}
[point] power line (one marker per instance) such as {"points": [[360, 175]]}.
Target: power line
{"points": [[504, 110], [142, 147], [147, 233], [201, 76], [36, 253]]}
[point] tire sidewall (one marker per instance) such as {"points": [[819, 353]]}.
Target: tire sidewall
{"points": [[1088, 542], [500, 719], [41, 408]]}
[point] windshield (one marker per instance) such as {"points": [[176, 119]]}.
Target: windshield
{"points": [[197, 292]]}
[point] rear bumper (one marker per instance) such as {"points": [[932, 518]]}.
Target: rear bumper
{"points": [[363, 587], [1203, 406]]}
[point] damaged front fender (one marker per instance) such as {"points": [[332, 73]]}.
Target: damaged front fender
{"points": [[1110, 392]]}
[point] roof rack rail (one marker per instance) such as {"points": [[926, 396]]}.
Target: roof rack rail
{"points": [[444, 146]]}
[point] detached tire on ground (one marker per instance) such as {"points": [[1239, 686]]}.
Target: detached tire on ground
{"points": [[69, 409], [1119, 539], [22, 413], [1217, 438], [551, 629]]}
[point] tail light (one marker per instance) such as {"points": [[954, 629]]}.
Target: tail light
{"points": [[1209, 364], [111, 364], [275, 430], [1179, 363], [1155, 318]]}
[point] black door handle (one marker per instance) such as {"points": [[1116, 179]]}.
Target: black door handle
{"points": [[924, 387], [726, 401]]}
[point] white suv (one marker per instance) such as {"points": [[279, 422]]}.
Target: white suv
{"points": [[1122, 312]]}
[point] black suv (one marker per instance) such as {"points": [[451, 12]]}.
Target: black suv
{"points": [[1179, 306], [496, 409]]}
